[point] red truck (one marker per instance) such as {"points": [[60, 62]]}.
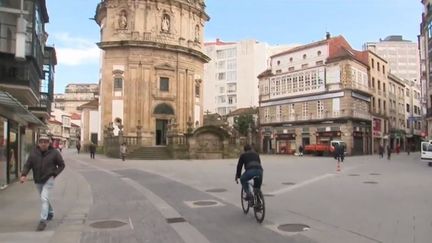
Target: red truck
{"points": [[323, 149]]}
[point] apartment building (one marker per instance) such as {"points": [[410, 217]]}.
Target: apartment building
{"points": [[316, 93], [403, 57], [378, 83], [26, 81], [397, 115], [231, 76]]}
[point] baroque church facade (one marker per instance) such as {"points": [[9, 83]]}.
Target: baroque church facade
{"points": [[151, 66]]}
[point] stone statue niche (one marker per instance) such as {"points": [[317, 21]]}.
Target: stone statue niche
{"points": [[166, 23], [122, 20]]}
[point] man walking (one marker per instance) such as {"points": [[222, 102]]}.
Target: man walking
{"points": [[92, 149], [46, 163], [389, 151]]}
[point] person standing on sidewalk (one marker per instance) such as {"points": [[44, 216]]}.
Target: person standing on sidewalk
{"points": [[46, 163], [123, 151], [92, 149], [389, 151]]}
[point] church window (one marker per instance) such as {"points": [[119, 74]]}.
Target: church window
{"points": [[164, 84], [118, 84]]}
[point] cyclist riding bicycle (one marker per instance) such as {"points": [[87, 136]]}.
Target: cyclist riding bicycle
{"points": [[253, 169]]}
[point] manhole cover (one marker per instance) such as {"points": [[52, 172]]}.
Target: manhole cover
{"points": [[205, 203], [370, 182], [107, 224], [375, 174], [288, 183], [293, 227], [353, 175], [175, 220], [216, 190], [268, 195]]}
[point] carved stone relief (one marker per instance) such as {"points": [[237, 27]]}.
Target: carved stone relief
{"points": [[208, 142]]}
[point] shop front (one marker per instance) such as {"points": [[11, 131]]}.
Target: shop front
{"points": [[285, 143], [377, 134], [358, 143], [327, 136], [15, 121]]}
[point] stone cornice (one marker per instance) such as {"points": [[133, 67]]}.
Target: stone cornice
{"points": [[149, 44]]}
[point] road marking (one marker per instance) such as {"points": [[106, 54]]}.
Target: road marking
{"points": [[130, 222], [185, 230], [301, 184]]}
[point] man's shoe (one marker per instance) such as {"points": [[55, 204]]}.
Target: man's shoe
{"points": [[50, 216], [41, 226]]}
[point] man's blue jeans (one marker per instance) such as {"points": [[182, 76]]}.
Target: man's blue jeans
{"points": [[248, 175], [44, 192]]}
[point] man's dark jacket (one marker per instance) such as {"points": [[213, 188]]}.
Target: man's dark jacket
{"points": [[44, 164], [250, 160]]}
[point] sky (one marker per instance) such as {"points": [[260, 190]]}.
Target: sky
{"points": [[277, 22]]}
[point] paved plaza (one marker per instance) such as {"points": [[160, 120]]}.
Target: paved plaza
{"points": [[107, 200]]}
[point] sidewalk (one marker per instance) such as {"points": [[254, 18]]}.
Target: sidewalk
{"points": [[20, 209]]}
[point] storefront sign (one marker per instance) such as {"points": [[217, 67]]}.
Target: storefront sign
{"points": [[358, 134], [376, 125], [285, 136], [329, 134]]}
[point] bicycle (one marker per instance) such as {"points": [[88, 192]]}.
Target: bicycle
{"points": [[257, 203]]}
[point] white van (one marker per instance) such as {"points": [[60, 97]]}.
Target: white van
{"points": [[426, 152]]}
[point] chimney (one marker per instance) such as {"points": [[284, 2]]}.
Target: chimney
{"points": [[328, 35]]}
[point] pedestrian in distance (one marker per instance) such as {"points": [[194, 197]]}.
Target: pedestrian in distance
{"points": [[78, 146], [123, 151], [340, 153], [46, 163], [389, 151], [408, 149], [381, 151], [300, 150], [398, 149], [92, 149]]}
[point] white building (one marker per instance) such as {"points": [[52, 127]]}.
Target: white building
{"points": [[402, 56], [231, 76]]}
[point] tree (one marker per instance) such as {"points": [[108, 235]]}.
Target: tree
{"points": [[241, 123]]}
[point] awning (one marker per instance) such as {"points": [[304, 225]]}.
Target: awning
{"points": [[17, 111]]}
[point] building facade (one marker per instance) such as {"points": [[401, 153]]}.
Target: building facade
{"points": [[231, 75], [314, 94], [152, 65], [76, 95], [397, 115], [26, 81], [403, 57], [379, 84], [425, 44]]}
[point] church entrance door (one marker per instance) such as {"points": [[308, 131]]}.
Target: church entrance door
{"points": [[161, 131]]}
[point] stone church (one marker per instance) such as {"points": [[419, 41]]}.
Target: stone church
{"points": [[151, 66]]}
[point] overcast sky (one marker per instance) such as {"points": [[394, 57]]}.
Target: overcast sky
{"points": [[273, 21]]}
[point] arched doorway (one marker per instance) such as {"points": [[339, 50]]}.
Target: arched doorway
{"points": [[163, 112]]}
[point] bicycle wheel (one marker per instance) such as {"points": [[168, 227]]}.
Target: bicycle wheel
{"points": [[244, 202], [259, 206]]}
